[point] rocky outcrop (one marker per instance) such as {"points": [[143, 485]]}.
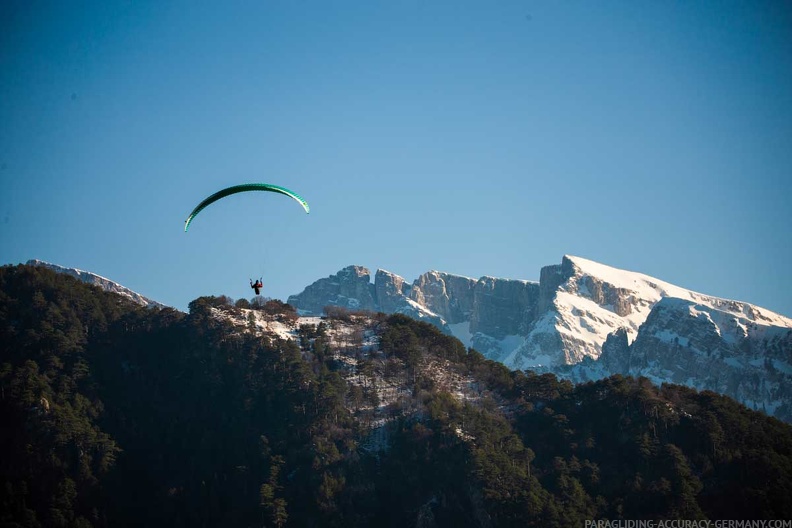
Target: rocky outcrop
{"points": [[390, 291], [550, 279], [719, 350], [349, 288], [449, 296], [503, 307], [489, 309], [606, 295], [723, 347], [492, 307], [615, 357]]}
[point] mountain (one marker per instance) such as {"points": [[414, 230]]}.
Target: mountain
{"points": [[589, 301], [96, 280], [703, 347], [487, 313], [584, 320], [118, 415]]}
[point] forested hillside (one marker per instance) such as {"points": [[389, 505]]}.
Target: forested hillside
{"points": [[117, 415]]}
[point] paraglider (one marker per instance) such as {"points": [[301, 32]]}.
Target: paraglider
{"points": [[258, 285], [244, 188]]}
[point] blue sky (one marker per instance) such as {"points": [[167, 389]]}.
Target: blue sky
{"points": [[473, 137]]}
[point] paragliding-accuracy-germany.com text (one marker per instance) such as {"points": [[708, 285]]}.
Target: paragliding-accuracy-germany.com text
{"points": [[680, 523]]}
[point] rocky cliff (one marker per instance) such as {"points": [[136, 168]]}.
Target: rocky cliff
{"points": [[722, 348], [449, 296], [489, 309], [582, 302], [705, 347], [584, 320], [349, 288]]}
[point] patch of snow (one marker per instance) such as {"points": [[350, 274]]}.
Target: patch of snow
{"points": [[667, 336], [462, 332], [437, 273], [501, 279], [587, 321], [496, 349], [529, 356], [243, 317], [312, 320], [422, 310], [463, 435], [510, 343]]}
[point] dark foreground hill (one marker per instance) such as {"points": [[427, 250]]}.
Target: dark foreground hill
{"points": [[117, 415]]}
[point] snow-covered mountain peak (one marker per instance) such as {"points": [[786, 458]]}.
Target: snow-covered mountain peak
{"points": [[643, 286], [650, 289], [584, 301]]}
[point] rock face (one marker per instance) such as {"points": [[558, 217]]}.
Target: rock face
{"points": [[349, 288], [105, 284], [390, 291], [723, 349], [584, 320], [581, 302], [503, 307], [615, 355], [488, 309], [449, 296]]}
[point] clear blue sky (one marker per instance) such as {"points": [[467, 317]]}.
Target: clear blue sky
{"points": [[473, 137]]}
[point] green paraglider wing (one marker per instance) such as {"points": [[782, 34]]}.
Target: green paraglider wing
{"points": [[243, 188]]}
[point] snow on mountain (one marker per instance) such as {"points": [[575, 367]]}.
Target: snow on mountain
{"points": [[560, 320], [489, 314], [591, 301], [97, 280], [354, 347], [584, 320], [652, 290], [259, 323], [706, 348]]}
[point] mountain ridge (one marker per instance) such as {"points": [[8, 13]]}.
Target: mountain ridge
{"points": [[561, 324], [97, 280], [610, 290]]}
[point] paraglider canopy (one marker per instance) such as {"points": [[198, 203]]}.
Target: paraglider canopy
{"points": [[243, 188]]}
